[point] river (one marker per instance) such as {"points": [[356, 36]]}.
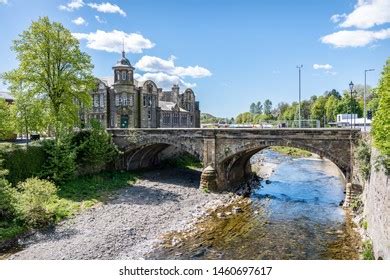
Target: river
{"points": [[294, 215]]}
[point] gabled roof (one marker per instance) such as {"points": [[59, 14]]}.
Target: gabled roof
{"points": [[170, 106]]}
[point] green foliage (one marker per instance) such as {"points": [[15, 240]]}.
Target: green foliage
{"points": [[30, 114], [381, 123], [7, 196], [331, 106], [52, 67], [34, 202], [7, 121], [318, 111], [267, 107], [94, 148], [185, 161], [22, 162], [60, 165], [87, 190], [363, 156], [368, 253]]}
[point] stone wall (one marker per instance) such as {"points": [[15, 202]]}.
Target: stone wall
{"points": [[376, 199]]}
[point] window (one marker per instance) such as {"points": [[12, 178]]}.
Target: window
{"points": [[117, 100], [149, 114], [150, 101], [118, 76], [191, 119], [166, 118], [124, 99], [102, 100], [131, 100], [96, 100], [184, 119], [124, 76], [175, 118], [144, 100]]}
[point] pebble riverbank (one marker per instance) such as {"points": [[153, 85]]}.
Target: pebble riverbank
{"points": [[128, 224]]}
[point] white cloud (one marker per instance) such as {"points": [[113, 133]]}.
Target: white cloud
{"points": [[355, 38], [336, 18], [5, 2], [113, 41], [80, 21], [368, 13], [72, 5], [107, 8], [155, 64], [164, 80], [100, 20], [322, 66]]}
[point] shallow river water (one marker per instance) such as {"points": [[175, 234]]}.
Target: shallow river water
{"points": [[295, 216]]}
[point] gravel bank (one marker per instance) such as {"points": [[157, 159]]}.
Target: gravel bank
{"points": [[129, 223]]}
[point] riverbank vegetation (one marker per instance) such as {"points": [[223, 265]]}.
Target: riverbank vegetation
{"points": [[43, 183], [290, 151], [185, 161]]}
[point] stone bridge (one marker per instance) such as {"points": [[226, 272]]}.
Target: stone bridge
{"points": [[226, 152]]}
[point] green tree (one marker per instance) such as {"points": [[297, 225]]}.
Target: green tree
{"points": [[318, 111], [94, 148], [7, 120], [252, 108], [51, 65], [381, 122], [259, 108], [30, 114], [267, 107], [333, 93], [331, 108]]}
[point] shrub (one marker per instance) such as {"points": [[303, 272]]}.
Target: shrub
{"points": [[381, 123], [7, 196], [94, 148], [35, 202], [60, 165], [22, 162], [363, 156], [368, 253]]}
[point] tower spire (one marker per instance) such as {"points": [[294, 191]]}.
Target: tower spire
{"points": [[123, 47]]}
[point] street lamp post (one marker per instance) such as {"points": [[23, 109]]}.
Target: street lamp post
{"points": [[365, 92], [299, 107], [351, 88]]}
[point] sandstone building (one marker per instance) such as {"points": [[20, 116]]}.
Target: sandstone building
{"points": [[121, 101]]}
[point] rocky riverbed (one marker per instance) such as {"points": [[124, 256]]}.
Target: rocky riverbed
{"points": [[128, 224]]}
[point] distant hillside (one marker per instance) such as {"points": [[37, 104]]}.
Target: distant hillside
{"points": [[209, 118]]}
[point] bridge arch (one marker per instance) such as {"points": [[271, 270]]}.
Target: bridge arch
{"points": [[148, 153], [234, 165]]}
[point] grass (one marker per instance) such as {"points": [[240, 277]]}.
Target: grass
{"points": [[368, 253], [294, 152], [74, 196], [186, 161]]}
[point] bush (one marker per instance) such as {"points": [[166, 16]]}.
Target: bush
{"points": [[381, 123], [363, 156], [7, 196], [368, 253], [35, 202], [22, 162], [60, 165], [94, 148]]}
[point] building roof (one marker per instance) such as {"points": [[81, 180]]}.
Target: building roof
{"points": [[169, 106], [6, 95]]}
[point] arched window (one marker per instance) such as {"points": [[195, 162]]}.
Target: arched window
{"points": [[124, 76], [118, 76]]}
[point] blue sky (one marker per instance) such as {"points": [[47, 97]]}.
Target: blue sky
{"points": [[231, 52]]}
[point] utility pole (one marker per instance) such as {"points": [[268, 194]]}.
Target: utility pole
{"points": [[365, 93], [299, 107]]}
